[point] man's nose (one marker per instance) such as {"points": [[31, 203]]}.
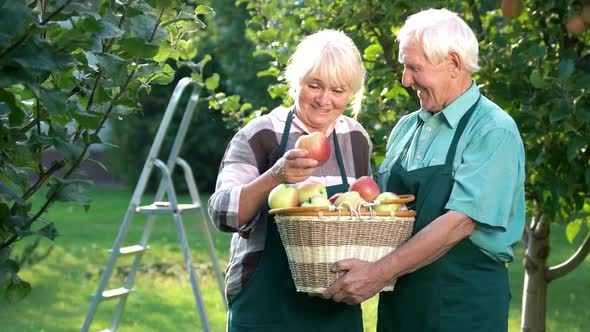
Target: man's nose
{"points": [[407, 78]]}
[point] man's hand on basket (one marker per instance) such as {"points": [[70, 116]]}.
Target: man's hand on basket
{"points": [[361, 281], [294, 167]]}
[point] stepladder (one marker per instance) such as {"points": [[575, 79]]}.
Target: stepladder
{"points": [[165, 205]]}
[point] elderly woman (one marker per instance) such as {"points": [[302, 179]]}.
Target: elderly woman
{"points": [[325, 75], [462, 157]]}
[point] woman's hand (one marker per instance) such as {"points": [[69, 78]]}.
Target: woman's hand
{"points": [[294, 167]]}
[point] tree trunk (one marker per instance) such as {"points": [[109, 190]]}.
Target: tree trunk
{"points": [[534, 297]]}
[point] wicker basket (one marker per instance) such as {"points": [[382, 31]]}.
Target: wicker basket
{"points": [[314, 240]]}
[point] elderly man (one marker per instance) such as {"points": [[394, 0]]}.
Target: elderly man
{"points": [[462, 157]]}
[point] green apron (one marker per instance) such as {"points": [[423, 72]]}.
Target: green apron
{"points": [[269, 300], [464, 290]]}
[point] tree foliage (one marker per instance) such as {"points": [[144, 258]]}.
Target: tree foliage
{"points": [[66, 67]]}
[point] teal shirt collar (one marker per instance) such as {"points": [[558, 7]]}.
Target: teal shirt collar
{"points": [[455, 111]]}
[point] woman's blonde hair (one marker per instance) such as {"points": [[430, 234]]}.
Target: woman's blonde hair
{"points": [[331, 55]]}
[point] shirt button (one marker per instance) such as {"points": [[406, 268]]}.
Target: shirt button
{"points": [[418, 157], [428, 129]]}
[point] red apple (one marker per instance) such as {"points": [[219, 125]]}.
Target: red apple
{"points": [[283, 196], [317, 146], [334, 197], [309, 189], [575, 25], [511, 8], [366, 187]]}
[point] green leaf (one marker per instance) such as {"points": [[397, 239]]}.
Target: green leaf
{"points": [[113, 66], [49, 231], [572, 229], [212, 82], [15, 18], [537, 79], [141, 26], [164, 76], [204, 10], [576, 144], [271, 71], [70, 151], [373, 52], [16, 117], [566, 68], [138, 48], [54, 101], [17, 289]]}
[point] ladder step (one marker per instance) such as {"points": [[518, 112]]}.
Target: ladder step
{"points": [[132, 249], [117, 292], [165, 208]]}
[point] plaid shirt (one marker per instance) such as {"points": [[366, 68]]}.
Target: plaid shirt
{"points": [[251, 152]]}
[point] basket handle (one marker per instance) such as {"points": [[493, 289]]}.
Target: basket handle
{"points": [[401, 199]]}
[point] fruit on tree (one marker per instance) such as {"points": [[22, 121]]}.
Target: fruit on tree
{"points": [[366, 187], [386, 196], [283, 196], [511, 8], [309, 189], [575, 25], [317, 146]]}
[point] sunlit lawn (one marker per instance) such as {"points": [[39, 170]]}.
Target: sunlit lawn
{"points": [[163, 299]]}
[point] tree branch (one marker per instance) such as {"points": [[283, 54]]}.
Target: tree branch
{"points": [[42, 178], [476, 18], [566, 267]]}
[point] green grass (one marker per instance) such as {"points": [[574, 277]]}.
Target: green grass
{"points": [[163, 298]]}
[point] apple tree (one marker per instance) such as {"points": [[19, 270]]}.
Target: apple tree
{"points": [[535, 64], [67, 67]]}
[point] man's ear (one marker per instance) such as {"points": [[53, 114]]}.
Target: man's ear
{"points": [[454, 63]]}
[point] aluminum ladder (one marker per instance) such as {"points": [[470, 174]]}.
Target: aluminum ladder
{"points": [[158, 208]]}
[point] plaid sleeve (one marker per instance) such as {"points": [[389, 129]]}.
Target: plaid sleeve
{"points": [[238, 168]]}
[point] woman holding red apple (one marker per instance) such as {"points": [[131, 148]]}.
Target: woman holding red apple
{"points": [[323, 74], [462, 157]]}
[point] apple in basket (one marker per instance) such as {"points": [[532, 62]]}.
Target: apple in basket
{"points": [[309, 189], [334, 197], [283, 196], [386, 196], [350, 200], [366, 187], [317, 146], [317, 200]]}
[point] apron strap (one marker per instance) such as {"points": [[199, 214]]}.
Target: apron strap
{"points": [[285, 136], [459, 132], [339, 158], [285, 139]]}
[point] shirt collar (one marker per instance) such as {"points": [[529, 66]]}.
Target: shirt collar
{"points": [[455, 110]]}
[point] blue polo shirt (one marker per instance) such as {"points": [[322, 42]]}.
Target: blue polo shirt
{"points": [[488, 166]]}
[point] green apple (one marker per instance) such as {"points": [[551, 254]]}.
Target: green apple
{"points": [[283, 196], [317, 200], [386, 196], [349, 200], [309, 189]]}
